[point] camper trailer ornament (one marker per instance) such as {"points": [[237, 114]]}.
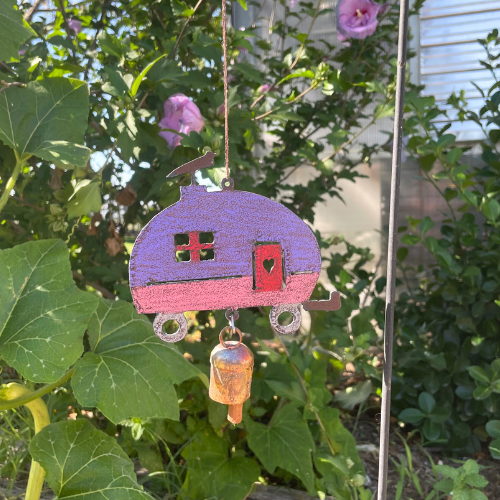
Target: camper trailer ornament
{"points": [[224, 250]]}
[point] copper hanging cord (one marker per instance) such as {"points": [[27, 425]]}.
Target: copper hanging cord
{"points": [[226, 109]]}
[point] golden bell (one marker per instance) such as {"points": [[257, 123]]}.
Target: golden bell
{"points": [[231, 377]]}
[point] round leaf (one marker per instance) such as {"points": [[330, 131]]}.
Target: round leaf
{"points": [[286, 442], [43, 315], [426, 402], [83, 463], [412, 416], [130, 372], [493, 428]]}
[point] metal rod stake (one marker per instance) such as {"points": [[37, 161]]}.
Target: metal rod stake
{"points": [[391, 252]]}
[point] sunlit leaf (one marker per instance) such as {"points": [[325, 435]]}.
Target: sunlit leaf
{"points": [[43, 315], [83, 463]]}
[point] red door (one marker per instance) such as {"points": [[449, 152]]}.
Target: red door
{"points": [[268, 267]]}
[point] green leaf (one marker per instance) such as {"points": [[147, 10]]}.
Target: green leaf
{"points": [[85, 199], [481, 392], [286, 442], [116, 84], [47, 118], [477, 495], [448, 471], [355, 395], [142, 75], [426, 402], [342, 440], [64, 154], [213, 474], [303, 73], [493, 428], [491, 209], [426, 225], [110, 44], [446, 140], [13, 30], [477, 373], [432, 430], [248, 71], [454, 155], [411, 416], [130, 371], [83, 463], [495, 449], [439, 415], [43, 315], [410, 239], [461, 493], [475, 480]]}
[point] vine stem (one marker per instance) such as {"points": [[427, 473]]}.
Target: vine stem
{"points": [[29, 396], [9, 186], [38, 409], [304, 387]]}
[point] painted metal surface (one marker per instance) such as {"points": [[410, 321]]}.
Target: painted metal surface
{"points": [[262, 254], [194, 246], [332, 304], [205, 161], [268, 268], [205, 295], [238, 221]]}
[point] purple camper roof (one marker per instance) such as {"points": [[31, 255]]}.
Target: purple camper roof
{"points": [[238, 220]]}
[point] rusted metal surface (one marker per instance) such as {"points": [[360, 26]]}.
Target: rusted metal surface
{"points": [[231, 376], [268, 268], [294, 310], [332, 304], [162, 318]]}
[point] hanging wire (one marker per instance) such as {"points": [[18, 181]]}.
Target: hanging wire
{"points": [[391, 252], [226, 109]]}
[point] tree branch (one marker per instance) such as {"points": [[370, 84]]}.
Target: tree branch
{"points": [[181, 34]]}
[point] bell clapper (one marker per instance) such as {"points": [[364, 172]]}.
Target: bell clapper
{"points": [[235, 413]]}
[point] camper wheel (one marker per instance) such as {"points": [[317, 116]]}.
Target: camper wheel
{"points": [[276, 311], [162, 318]]}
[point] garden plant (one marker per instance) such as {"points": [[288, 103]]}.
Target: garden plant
{"points": [[448, 354]]}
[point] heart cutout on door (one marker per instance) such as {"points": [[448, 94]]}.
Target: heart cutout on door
{"points": [[268, 265]]}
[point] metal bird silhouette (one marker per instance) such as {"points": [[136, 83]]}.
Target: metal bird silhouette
{"points": [[205, 161]]}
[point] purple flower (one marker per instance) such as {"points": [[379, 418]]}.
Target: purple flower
{"points": [[265, 88], [75, 25], [181, 114], [21, 52], [357, 18], [293, 3]]}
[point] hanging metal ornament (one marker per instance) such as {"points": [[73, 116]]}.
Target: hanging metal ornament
{"points": [[225, 249]]}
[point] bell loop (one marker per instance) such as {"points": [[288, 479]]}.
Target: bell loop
{"points": [[231, 329]]}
